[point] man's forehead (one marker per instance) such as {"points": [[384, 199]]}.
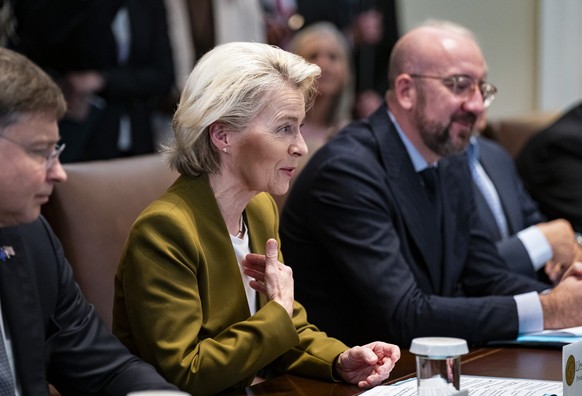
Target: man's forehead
{"points": [[37, 128]]}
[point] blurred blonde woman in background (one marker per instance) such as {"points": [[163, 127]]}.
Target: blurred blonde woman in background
{"points": [[323, 44]]}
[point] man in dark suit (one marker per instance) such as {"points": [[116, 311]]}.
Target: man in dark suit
{"points": [[48, 332], [529, 244], [550, 164], [379, 250], [113, 60]]}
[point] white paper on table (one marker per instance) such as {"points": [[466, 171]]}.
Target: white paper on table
{"points": [[478, 386]]}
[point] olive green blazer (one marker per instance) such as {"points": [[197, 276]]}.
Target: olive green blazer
{"points": [[180, 302]]}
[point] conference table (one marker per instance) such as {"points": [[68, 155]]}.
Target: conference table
{"points": [[542, 363]]}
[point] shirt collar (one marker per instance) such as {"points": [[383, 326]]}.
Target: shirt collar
{"points": [[473, 149], [418, 161]]}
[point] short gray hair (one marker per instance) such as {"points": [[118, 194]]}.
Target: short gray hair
{"points": [[26, 89]]}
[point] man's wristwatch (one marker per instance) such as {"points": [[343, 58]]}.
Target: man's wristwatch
{"points": [[578, 237]]}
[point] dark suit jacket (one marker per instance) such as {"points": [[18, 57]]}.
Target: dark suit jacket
{"points": [[354, 230], [519, 208], [56, 335], [550, 165]]}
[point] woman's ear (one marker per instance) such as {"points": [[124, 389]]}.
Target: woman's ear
{"points": [[219, 136]]}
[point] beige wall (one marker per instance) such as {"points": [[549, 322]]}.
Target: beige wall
{"points": [[560, 54], [506, 30]]}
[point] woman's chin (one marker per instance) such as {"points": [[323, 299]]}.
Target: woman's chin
{"points": [[279, 190]]}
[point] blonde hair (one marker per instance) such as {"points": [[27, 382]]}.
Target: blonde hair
{"points": [[230, 84], [342, 111]]}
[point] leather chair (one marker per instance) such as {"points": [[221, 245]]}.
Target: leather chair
{"points": [[93, 211], [513, 132]]}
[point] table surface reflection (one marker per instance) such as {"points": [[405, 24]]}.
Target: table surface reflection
{"points": [[513, 362]]}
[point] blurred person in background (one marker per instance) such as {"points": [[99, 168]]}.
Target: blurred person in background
{"points": [[529, 243], [281, 21], [550, 164], [323, 44], [371, 28], [113, 61]]}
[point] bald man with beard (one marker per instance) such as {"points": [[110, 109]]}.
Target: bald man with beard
{"points": [[379, 250]]}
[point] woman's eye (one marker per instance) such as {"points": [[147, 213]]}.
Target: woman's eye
{"points": [[285, 129]]}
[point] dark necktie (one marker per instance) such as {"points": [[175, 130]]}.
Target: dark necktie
{"points": [[6, 379], [431, 184], [430, 180]]}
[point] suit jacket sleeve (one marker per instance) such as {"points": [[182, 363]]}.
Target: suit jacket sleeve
{"points": [[81, 356], [520, 209], [515, 255], [512, 248]]}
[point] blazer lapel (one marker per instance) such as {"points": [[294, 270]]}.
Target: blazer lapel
{"points": [[405, 185], [504, 186], [453, 244], [213, 239], [486, 217]]}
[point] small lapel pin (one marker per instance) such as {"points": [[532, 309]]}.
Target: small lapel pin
{"points": [[6, 252]]}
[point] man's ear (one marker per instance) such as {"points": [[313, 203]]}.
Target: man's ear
{"points": [[405, 91], [219, 135]]}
